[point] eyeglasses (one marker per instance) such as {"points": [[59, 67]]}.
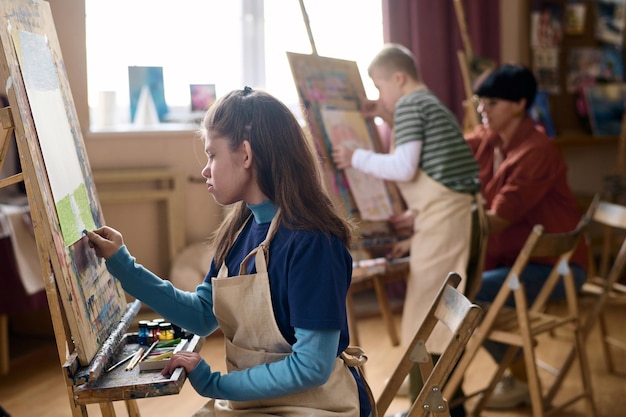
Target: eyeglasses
{"points": [[484, 101]]}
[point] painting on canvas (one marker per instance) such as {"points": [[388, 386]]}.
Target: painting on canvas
{"points": [[92, 299], [606, 108], [348, 128], [147, 83], [202, 96]]}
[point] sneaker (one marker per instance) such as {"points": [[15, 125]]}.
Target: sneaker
{"points": [[509, 393]]}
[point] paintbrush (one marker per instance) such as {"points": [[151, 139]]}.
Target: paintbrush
{"points": [[135, 359], [121, 362], [152, 346]]}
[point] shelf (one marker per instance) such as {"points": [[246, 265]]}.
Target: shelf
{"points": [[580, 139]]}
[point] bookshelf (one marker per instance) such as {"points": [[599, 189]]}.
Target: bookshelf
{"points": [[572, 129]]}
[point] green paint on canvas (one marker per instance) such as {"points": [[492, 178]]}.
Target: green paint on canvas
{"points": [[66, 221], [74, 220], [82, 199]]}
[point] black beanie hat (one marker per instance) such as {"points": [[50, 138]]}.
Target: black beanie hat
{"points": [[509, 82]]}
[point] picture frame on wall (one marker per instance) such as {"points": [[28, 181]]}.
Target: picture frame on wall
{"points": [[606, 108], [147, 93], [575, 17], [591, 65], [546, 24], [610, 21], [202, 96]]}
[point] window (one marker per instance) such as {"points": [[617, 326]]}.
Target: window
{"points": [[226, 43]]}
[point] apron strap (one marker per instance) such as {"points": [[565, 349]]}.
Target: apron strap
{"points": [[261, 252], [355, 357]]}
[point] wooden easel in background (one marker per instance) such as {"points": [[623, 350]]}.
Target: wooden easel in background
{"points": [[470, 70], [89, 336]]}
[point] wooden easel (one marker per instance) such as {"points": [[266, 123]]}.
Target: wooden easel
{"points": [[466, 56], [87, 343], [313, 74], [468, 63]]}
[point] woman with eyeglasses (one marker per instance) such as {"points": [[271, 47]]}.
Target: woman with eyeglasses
{"points": [[523, 179]]}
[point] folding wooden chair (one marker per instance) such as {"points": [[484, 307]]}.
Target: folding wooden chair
{"points": [[460, 316], [519, 327], [603, 288]]}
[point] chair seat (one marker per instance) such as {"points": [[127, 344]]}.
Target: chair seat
{"points": [[506, 327]]}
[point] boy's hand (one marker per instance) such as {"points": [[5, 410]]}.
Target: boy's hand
{"points": [[105, 240], [371, 108], [375, 108], [400, 249], [342, 156], [403, 222]]}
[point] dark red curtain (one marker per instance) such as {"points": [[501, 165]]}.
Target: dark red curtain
{"points": [[430, 29]]}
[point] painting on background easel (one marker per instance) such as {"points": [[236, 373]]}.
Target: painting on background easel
{"points": [[328, 88], [331, 93]]}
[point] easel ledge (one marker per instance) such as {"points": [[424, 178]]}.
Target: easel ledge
{"points": [[134, 384], [104, 357]]}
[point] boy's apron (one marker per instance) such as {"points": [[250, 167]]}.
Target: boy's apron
{"points": [[243, 308], [440, 244]]}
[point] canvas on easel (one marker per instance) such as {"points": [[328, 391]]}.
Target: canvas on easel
{"points": [[89, 310], [62, 194], [331, 92]]}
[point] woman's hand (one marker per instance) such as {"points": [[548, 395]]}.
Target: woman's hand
{"points": [[187, 360], [105, 240]]}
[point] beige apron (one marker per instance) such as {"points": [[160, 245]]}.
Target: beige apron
{"points": [[440, 244], [243, 308]]}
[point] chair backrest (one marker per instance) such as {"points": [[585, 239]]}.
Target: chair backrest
{"points": [[559, 246], [453, 310], [480, 237], [612, 217]]}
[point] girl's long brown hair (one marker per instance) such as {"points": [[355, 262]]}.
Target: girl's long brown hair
{"points": [[287, 169]]}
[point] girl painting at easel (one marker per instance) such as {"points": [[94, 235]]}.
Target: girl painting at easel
{"points": [[277, 285]]}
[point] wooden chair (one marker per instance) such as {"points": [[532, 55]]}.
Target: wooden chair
{"points": [[602, 288], [460, 316], [520, 327]]}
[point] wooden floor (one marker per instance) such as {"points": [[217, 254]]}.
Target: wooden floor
{"points": [[35, 386]]}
